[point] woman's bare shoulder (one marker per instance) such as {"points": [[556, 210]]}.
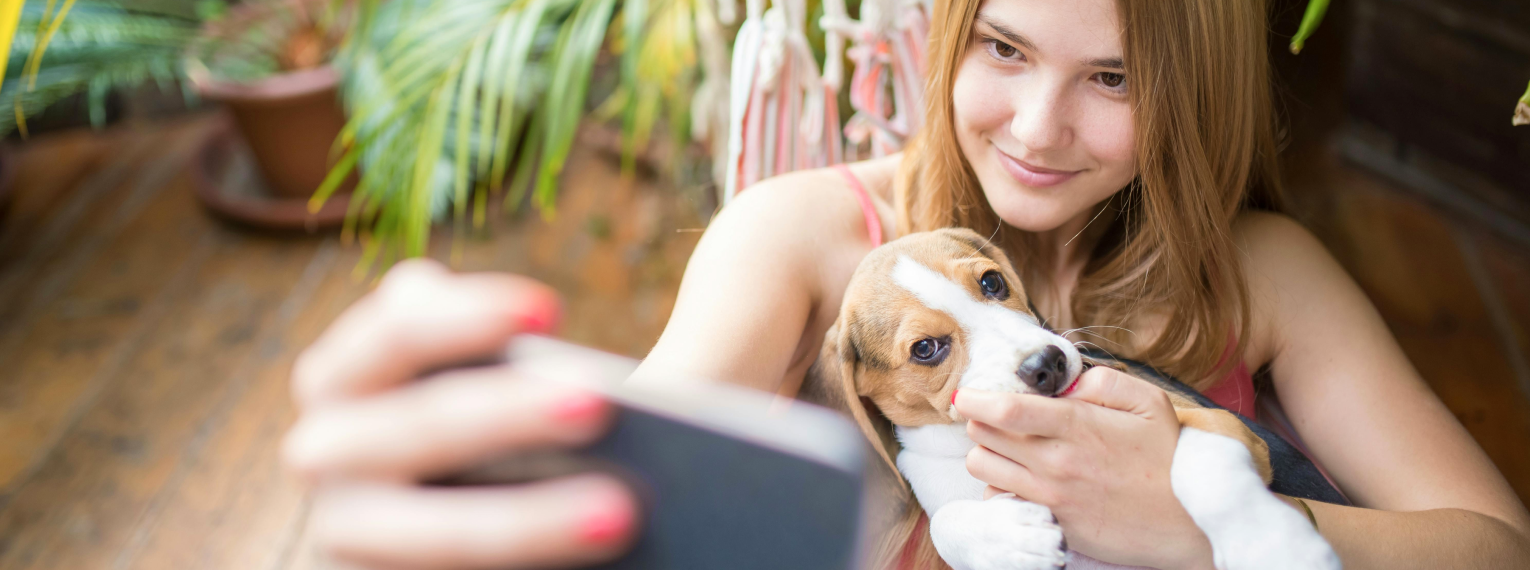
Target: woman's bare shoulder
{"points": [[1277, 250], [1284, 264], [815, 204]]}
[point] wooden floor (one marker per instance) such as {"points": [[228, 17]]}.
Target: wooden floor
{"points": [[144, 347]]}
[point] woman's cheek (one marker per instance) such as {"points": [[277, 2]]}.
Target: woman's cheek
{"points": [[1109, 134], [977, 104]]}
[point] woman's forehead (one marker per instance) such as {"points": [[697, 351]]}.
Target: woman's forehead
{"points": [[1080, 30]]}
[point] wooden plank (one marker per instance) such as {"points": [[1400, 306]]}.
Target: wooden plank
{"points": [[230, 490], [1508, 268], [80, 507], [95, 307], [1406, 258], [1443, 78], [45, 170], [74, 214]]}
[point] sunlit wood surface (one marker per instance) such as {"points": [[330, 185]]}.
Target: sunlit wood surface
{"points": [[144, 347]]}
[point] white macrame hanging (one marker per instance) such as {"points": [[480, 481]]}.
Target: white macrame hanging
{"points": [[709, 104], [782, 115], [889, 53]]}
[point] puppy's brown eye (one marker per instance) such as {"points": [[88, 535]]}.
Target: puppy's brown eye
{"points": [[993, 286], [930, 351]]}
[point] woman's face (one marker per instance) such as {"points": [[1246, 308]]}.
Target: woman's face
{"points": [[1041, 109]]}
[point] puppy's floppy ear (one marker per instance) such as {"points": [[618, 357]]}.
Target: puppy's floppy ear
{"points": [[832, 383]]}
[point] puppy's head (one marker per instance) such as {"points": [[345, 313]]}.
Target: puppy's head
{"points": [[930, 313]]}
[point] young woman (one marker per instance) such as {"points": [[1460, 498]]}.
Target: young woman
{"points": [[1123, 152]]}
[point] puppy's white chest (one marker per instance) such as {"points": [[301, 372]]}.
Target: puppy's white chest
{"points": [[934, 461]]}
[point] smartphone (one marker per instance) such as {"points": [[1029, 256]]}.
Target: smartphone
{"points": [[727, 477]]}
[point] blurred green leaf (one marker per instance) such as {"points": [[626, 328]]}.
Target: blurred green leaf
{"points": [[99, 47]]}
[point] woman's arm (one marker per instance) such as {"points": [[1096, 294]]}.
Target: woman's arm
{"points": [[1431, 497], [764, 284]]}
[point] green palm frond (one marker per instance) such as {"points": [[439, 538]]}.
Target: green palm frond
{"points": [[1311, 18], [659, 49], [440, 98], [99, 47]]}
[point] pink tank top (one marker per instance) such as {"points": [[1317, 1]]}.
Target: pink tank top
{"points": [[868, 209], [1235, 391]]}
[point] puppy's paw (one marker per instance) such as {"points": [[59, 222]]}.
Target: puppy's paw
{"points": [[1248, 526], [1001, 533]]}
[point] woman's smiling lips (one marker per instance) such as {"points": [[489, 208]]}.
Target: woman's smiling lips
{"points": [[1033, 176]]}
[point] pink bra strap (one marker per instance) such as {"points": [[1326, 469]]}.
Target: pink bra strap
{"points": [[873, 221]]}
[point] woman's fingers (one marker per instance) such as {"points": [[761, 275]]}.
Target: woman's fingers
{"points": [[1003, 473], [431, 427], [1023, 448], [420, 317], [1019, 413], [575, 521], [1119, 391]]}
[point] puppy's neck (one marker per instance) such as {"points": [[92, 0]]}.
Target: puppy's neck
{"points": [[936, 440]]}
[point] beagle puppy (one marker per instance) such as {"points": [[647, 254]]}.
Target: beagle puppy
{"points": [[932, 312]]}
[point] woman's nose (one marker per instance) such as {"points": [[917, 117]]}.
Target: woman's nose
{"points": [[1041, 121]]}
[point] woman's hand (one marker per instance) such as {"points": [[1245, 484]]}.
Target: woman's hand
{"points": [[368, 433], [1099, 457]]}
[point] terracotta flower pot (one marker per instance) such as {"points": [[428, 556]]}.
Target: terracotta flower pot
{"points": [[289, 121]]}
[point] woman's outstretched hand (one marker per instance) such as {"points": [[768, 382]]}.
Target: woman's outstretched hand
{"points": [[368, 433], [1099, 457]]}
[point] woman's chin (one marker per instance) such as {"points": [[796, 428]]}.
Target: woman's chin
{"points": [[1031, 213], [1031, 223]]}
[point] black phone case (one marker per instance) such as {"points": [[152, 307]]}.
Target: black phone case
{"points": [[717, 502]]}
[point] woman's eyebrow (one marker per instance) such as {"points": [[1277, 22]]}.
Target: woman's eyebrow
{"points": [[1106, 62], [1015, 37], [1008, 34]]}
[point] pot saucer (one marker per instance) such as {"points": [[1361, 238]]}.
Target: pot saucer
{"points": [[229, 185]]}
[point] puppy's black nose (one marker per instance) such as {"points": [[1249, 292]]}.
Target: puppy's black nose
{"points": [[1045, 371]]}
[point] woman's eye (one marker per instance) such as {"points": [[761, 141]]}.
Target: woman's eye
{"points": [[1002, 50], [993, 286], [1115, 81], [929, 351]]}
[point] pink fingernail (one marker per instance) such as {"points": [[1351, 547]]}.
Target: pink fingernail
{"points": [[607, 523], [953, 396], [578, 409], [542, 316]]}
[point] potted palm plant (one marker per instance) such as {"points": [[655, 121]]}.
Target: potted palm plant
{"points": [[268, 63], [267, 60]]}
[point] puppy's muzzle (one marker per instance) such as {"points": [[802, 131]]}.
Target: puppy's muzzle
{"points": [[1045, 371]]}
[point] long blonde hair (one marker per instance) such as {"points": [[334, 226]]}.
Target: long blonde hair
{"points": [[1199, 76], [1205, 127]]}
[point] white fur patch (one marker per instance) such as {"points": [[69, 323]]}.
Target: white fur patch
{"points": [[1001, 533], [997, 338], [934, 461], [1249, 528]]}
